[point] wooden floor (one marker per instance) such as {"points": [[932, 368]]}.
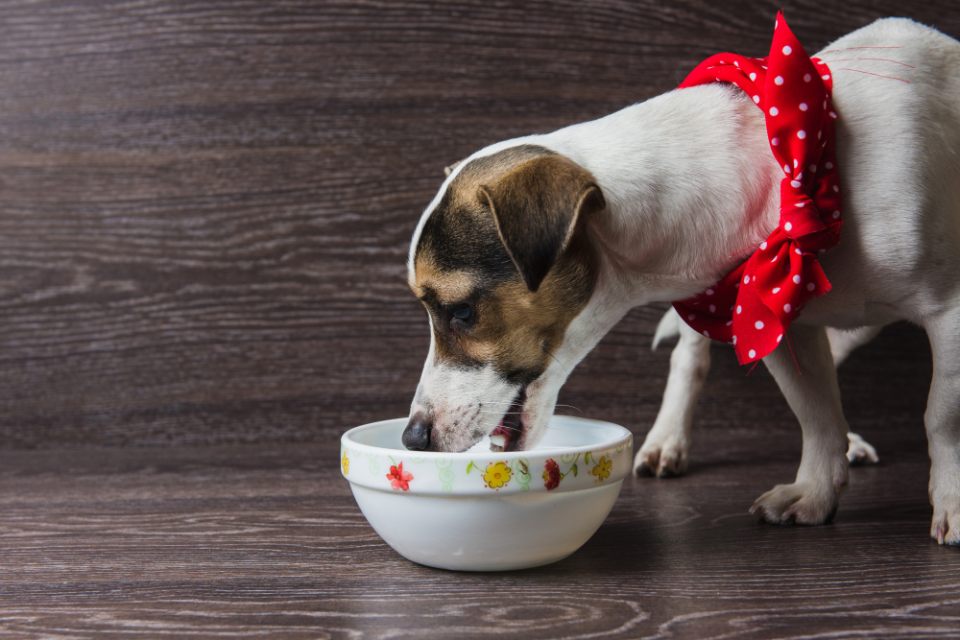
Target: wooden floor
{"points": [[250, 542]]}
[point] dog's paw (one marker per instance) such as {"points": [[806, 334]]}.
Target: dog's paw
{"points": [[859, 451], [797, 503], [661, 457], [945, 526]]}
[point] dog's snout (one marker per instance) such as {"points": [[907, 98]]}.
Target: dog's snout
{"points": [[417, 434]]}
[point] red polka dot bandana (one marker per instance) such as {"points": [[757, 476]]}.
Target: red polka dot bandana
{"points": [[752, 306]]}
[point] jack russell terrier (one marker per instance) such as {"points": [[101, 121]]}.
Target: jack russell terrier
{"points": [[535, 247]]}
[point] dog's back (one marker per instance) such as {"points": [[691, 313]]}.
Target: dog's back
{"points": [[897, 93]]}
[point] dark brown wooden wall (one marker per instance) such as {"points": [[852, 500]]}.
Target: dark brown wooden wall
{"points": [[205, 206]]}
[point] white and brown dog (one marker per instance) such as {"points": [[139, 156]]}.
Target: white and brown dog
{"points": [[535, 247]]}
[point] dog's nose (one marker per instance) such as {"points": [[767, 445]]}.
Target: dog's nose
{"points": [[417, 434]]}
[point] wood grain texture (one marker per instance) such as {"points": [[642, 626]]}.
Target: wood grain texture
{"points": [[266, 542], [205, 207]]}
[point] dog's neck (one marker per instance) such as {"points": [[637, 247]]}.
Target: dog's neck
{"points": [[691, 189]]}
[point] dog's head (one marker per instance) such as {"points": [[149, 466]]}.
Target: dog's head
{"points": [[501, 262]]}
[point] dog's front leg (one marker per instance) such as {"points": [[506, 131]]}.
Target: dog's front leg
{"points": [[665, 451], [808, 381]]}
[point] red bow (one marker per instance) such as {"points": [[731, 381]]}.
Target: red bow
{"points": [[752, 306]]}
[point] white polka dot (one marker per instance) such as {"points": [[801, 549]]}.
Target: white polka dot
{"points": [[798, 252], [729, 322], [787, 307], [826, 76], [812, 168], [795, 184], [836, 214], [778, 80], [787, 50], [713, 308], [801, 134], [829, 166], [774, 258], [788, 226], [786, 169], [706, 333], [807, 77], [763, 245], [836, 189], [756, 99], [774, 141], [800, 205], [796, 279], [819, 134], [752, 354], [736, 63], [803, 106], [796, 163], [758, 325], [746, 279], [739, 309], [776, 289], [833, 115], [779, 338], [811, 286], [734, 341], [709, 292], [691, 317], [774, 111], [753, 76]]}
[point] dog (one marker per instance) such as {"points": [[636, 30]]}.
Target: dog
{"points": [[534, 248]]}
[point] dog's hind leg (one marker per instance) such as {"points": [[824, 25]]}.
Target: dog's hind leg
{"points": [[842, 344], [804, 371], [942, 420], [844, 341], [665, 451]]}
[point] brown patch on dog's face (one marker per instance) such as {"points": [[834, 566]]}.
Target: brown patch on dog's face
{"points": [[512, 328], [500, 265]]}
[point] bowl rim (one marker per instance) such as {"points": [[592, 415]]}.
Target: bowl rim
{"points": [[623, 436], [556, 469]]}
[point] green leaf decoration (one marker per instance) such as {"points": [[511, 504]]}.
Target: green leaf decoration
{"points": [[573, 470], [524, 469], [470, 467], [586, 457]]}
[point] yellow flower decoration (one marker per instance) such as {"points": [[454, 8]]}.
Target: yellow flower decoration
{"points": [[602, 469], [345, 463], [497, 475]]}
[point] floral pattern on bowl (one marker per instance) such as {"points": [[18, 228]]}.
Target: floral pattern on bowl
{"points": [[490, 473]]}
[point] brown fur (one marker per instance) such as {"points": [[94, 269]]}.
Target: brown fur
{"points": [[536, 206], [503, 218]]}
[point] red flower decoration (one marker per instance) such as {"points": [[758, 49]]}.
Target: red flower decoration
{"points": [[551, 474], [399, 479]]}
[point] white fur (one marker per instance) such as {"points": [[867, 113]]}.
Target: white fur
{"points": [[691, 187]]}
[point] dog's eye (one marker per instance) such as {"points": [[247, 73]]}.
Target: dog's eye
{"points": [[462, 316]]}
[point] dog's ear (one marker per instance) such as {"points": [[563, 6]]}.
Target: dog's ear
{"points": [[536, 207], [447, 170]]}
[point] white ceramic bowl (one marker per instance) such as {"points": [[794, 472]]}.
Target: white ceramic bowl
{"points": [[485, 511]]}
